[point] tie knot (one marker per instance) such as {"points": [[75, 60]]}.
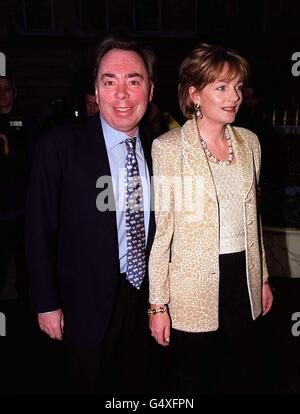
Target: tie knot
{"points": [[130, 143]]}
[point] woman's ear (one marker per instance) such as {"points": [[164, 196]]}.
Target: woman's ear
{"points": [[194, 95]]}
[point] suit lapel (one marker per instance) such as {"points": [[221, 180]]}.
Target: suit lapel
{"points": [[99, 163], [194, 157], [146, 141], [99, 158], [244, 157]]}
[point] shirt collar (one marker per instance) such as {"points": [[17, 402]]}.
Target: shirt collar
{"points": [[112, 136]]}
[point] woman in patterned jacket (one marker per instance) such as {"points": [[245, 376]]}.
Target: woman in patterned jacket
{"points": [[208, 276]]}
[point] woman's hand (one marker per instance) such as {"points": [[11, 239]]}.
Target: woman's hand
{"points": [[267, 298], [159, 324]]}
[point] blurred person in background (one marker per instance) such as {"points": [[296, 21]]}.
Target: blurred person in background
{"points": [[91, 106], [16, 136]]}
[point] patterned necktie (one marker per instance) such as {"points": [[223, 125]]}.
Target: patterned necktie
{"points": [[135, 230]]}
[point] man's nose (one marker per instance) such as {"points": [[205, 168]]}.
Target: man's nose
{"points": [[121, 91]]}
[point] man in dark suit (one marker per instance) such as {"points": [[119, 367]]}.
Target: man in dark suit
{"points": [[77, 230]]}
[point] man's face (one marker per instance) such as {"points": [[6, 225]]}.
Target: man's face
{"points": [[123, 90], [91, 105], [7, 95]]}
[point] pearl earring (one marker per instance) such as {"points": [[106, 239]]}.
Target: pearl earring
{"points": [[198, 111]]}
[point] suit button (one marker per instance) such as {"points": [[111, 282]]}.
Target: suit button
{"points": [[250, 222], [252, 266], [251, 244]]}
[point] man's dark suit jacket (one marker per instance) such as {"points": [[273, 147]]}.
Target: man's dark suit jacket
{"points": [[72, 247]]}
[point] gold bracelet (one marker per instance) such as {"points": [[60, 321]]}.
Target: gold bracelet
{"points": [[152, 311]]}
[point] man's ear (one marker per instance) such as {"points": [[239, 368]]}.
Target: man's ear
{"points": [[151, 92], [96, 94]]}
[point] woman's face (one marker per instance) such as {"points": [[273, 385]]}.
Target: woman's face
{"points": [[219, 100]]}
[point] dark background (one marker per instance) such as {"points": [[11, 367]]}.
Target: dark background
{"points": [[50, 49], [50, 44]]}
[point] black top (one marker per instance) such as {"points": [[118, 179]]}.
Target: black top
{"points": [[14, 166]]}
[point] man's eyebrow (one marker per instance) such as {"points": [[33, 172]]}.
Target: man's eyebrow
{"points": [[108, 75], [135, 74], [128, 75]]}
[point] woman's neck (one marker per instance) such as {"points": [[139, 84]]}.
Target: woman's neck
{"points": [[213, 133]]}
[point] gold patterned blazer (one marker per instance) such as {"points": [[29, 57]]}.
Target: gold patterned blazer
{"points": [[184, 260]]}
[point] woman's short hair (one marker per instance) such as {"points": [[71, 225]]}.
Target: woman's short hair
{"points": [[203, 66]]}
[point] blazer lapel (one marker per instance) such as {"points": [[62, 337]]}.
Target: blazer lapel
{"points": [[99, 158], [146, 141], [195, 159], [244, 157], [98, 162]]}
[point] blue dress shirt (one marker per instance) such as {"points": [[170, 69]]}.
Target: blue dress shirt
{"points": [[117, 152]]}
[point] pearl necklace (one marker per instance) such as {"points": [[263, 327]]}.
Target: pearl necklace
{"points": [[212, 157]]}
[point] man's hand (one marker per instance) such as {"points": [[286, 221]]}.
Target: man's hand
{"points": [[52, 323], [4, 146]]}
